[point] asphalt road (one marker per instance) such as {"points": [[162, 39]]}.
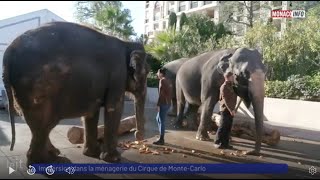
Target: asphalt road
{"points": [[299, 154]]}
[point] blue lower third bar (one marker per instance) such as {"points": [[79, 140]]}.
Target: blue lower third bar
{"points": [[231, 168]]}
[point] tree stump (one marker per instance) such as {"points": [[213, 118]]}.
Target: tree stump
{"points": [[245, 128], [76, 134]]}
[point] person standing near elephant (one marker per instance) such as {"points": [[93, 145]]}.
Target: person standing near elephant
{"points": [[228, 100], [163, 104]]}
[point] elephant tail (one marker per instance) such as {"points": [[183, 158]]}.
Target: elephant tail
{"points": [[8, 87]]}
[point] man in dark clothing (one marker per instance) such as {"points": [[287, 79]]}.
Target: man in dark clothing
{"points": [[228, 100], [163, 104]]}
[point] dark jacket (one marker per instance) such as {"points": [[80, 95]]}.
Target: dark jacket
{"points": [[165, 91], [228, 98]]}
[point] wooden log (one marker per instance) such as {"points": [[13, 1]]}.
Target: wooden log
{"points": [[245, 128], [76, 134]]}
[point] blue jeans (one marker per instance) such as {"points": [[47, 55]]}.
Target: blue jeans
{"points": [[161, 117]]}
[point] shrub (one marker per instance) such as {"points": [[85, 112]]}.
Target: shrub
{"points": [[296, 87], [154, 63], [281, 89], [152, 80]]}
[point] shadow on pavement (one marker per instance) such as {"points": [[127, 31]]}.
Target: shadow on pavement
{"points": [[302, 151], [4, 139], [298, 132]]}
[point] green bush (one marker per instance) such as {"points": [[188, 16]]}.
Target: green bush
{"points": [[152, 80], [154, 63], [296, 87], [311, 88], [281, 89]]}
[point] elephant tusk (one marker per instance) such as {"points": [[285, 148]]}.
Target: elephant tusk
{"points": [[238, 105]]}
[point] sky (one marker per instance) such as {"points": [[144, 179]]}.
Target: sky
{"points": [[65, 9]]}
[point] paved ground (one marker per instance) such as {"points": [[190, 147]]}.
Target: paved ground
{"points": [[299, 154]]}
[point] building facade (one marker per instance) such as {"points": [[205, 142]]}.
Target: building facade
{"points": [[157, 13]]}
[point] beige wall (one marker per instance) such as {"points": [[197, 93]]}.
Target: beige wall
{"points": [[293, 113]]}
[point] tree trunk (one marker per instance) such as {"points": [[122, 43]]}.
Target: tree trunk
{"points": [[245, 128], [76, 134], [251, 14]]}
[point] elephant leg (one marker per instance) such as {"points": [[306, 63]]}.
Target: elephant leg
{"points": [[113, 112], [41, 122], [52, 149], [181, 102], [192, 116], [206, 112], [174, 107], [91, 147]]}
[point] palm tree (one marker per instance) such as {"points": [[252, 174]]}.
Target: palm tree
{"points": [[108, 16]]}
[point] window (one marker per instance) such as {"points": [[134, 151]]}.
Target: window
{"points": [[182, 6], [194, 4], [171, 3], [156, 16], [157, 5], [207, 2], [256, 5], [164, 25], [157, 13], [170, 10], [156, 26], [277, 3]]}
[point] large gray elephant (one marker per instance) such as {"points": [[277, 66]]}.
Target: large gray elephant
{"points": [[171, 69], [65, 70], [199, 79]]}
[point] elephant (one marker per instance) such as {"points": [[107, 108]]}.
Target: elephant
{"points": [[66, 70], [171, 69], [199, 79]]}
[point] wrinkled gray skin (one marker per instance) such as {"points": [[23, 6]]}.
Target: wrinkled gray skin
{"points": [[198, 82], [171, 72], [65, 70]]}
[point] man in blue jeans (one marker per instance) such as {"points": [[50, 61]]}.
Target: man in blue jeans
{"points": [[163, 104]]}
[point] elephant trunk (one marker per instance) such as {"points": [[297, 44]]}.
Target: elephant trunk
{"points": [[256, 92], [139, 103]]}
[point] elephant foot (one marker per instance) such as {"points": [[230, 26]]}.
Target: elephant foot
{"points": [[63, 160], [193, 126], [254, 153], [37, 157], [54, 151], [110, 157], [92, 151], [178, 125], [139, 135], [173, 114], [203, 137]]}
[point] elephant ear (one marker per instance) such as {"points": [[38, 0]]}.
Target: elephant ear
{"points": [[137, 63], [224, 63]]}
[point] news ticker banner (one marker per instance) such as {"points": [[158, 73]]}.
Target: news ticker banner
{"points": [[183, 168]]}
